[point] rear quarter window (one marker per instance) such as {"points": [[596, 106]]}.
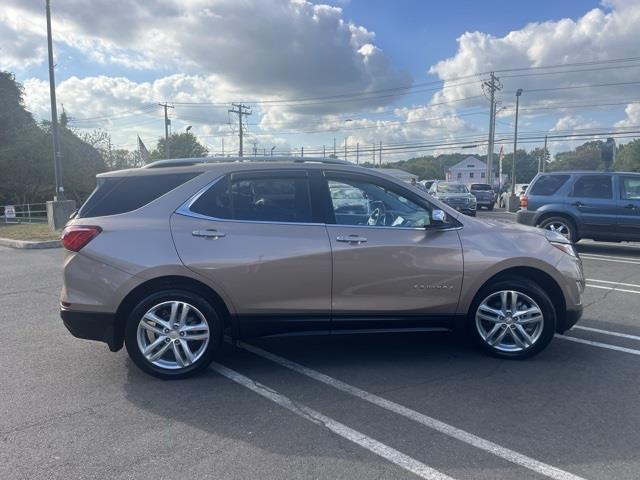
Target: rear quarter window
{"points": [[115, 195], [548, 185]]}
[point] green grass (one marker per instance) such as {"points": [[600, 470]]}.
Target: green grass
{"points": [[26, 231]]}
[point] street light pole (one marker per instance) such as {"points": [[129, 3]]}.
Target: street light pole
{"points": [[59, 192], [515, 145]]}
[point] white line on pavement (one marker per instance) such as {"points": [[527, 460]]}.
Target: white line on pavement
{"points": [[394, 456], [457, 433], [613, 283], [608, 346], [615, 289], [633, 261], [606, 332]]}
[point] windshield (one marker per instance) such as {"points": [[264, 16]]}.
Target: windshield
{"points": [[480, 186], [452, 188]]}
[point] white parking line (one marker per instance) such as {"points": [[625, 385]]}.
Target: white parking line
{"points": [[449, 430], [608, 346], [616, 289], [633, 261], [394, 456], [613, 283], [606, 332]]}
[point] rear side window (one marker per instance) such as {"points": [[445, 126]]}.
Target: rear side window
{"points": [[115, 195], [268, 199], [630, 188], [593, 186], [548, 185]]}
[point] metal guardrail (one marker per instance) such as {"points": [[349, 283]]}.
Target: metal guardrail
{"points": [[24, 213]]}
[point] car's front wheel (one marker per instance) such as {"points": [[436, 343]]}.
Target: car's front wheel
{"points": [[173, 334], [512, 318]]}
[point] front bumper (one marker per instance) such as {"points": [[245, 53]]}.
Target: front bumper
{"points": [[571, 317], [93, 326]]}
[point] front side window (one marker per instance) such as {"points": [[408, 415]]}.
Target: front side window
{"points": [[267, 199], [630, 188], [593, 186], [368, 204]]}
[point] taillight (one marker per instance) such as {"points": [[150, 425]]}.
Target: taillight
{"points": [[75, 237], [524, 201]]}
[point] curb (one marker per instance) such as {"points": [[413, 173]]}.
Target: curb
{"points": [[28, 244]]}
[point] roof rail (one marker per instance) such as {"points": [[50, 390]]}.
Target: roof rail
{"points": [[182, 162]]}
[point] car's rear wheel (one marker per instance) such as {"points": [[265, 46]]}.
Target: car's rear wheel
{"points": [[561, 225], [512, 318], [173, 334]]}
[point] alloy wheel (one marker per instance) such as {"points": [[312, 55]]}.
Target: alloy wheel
{"points": [[560, 228], [509, 321], [173, 335]]}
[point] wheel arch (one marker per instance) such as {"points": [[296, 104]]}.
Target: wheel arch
{"points": [[555, 213], [170, 282], [545, 281]]}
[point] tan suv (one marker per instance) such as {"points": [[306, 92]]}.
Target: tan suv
{"points": [[168, 258]]}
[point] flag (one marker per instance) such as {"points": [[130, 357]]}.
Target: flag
{"points": [[143, 152]]}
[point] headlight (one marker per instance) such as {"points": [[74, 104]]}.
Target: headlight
{"points": [[565, 247], [560, 242]]}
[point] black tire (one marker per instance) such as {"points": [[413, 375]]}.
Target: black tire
{"points": [[528, 288], [211, 316], [490, 207], [568, 224], [472, 214]]}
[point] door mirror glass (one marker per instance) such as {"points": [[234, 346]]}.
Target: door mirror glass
{"points": [[438, 217]]}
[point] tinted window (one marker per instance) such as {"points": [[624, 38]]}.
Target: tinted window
{"points": [[630, 188], [115, 195], [364, 203], [548, 184], [215, 202], [593, 186], [480, 186], [272, 199], [452, 188]]}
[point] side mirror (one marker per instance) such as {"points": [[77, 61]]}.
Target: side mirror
{"points": [[438, 217]]}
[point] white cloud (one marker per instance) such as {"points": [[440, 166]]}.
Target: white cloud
{"points": [[633, 116]]}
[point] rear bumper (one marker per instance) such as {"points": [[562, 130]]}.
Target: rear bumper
{"points": [[526, 217], [93, 326]]}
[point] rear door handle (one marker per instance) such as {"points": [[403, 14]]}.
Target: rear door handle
{"points": [[631, 206], [207, 234], [578, 204], [355, 239]]}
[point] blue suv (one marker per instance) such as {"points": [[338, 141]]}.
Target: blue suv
{"points": [[597, 205]]}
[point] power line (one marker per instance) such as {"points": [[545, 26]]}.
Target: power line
{"points": [[240, 109]]}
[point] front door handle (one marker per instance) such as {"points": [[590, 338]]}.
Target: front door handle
{"points": [[207, 234], [578, 204], [631, 206], [355, 239]]}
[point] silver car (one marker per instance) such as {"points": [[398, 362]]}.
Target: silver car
{"points": [[169, 258]]}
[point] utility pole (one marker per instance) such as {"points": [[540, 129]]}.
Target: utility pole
{"points": [[381, 154], [492, 85], [545, 156], [358, 153], [324, 152], [302, 152], [223, 146], [241, 110], [345, 149], [373, 150], [167, 122], [57, 170]]}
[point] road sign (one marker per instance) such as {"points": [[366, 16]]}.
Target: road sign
{"points": [[10, 211]]}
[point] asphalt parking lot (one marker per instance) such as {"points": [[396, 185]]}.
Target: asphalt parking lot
{"points": [[343, 407]]}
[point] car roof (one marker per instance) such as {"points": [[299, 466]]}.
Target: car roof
{"points": [[588, 172], [226, 164]]}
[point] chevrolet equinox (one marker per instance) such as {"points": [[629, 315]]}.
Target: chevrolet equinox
{"points": [[169, 258]]}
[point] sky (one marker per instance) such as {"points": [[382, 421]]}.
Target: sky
{"points": [[407, 74]]}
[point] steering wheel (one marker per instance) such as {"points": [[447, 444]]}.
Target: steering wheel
{"points": [[379, 214]]}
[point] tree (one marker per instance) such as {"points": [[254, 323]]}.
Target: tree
{"points": [[181, 145], [628, 157], [584, 157]]}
